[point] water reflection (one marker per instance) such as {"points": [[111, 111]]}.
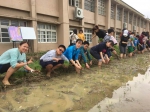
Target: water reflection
{"points": [[131, 97]]}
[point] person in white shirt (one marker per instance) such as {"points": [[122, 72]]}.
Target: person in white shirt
{"points": [[53, 59], [73, 37]]}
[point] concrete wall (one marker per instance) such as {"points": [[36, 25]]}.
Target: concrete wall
{"points": [[16, 4], [59, 12], [47, 7]]}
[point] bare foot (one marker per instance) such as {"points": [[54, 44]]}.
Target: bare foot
{"points": [[48, 74], [6, 82], [55, 72]]}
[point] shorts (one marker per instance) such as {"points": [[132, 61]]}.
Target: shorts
{"points": [[130, 49], [44, 64], [140, 48], [144, 46], [95, 54], [4, 68], [122, 49]]}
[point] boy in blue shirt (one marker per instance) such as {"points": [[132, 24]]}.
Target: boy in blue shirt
{"points": [[72, 53], [84, 52]]}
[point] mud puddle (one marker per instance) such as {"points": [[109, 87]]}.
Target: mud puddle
{"points": [[70, 92], [132, 97]]}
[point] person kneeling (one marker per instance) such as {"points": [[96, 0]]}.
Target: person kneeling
{"points": [[12, 60], [100, 52], [72, 53], [53, 59]]}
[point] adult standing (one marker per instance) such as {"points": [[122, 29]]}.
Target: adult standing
{"points": [[73, 37], [123, 43], [13, 59], [98, 32]]}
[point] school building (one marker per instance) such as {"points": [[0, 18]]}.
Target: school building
{"points": [[53, 20]]}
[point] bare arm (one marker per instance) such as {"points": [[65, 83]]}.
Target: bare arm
{"points": [[101, 56], [94, 35], [124, 42], [28, 68], [78, 63]]}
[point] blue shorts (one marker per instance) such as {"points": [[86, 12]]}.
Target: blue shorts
{"points": [[44, 64]]}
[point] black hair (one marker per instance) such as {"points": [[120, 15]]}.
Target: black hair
{"points": [[137, 36], [132, 33], [62, 47], [79, 40], [110, 30], [112, 43], [86, 42], [81, 30], [95, 28], [143, 33], [124, 29], [147, 34], [75, 31], [23, 42]]}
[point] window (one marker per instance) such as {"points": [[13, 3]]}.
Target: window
{"points": [[141, 23], [74, 3], [88, 35], [112, 12], [130, 18], [134, 21], [125, 17], [47, 33], [4, 24], [138, 22], [145, 24], [89, 5], [101, 7], [119, 14]]}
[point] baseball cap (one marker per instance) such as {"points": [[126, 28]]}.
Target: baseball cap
{"points": [[125, 33]]}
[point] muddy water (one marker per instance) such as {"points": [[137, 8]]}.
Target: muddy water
{"points": [[71, 92], [132, 97]]}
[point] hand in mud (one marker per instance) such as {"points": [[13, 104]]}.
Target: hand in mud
{"points": [[77, 66], [87, 66], [91, 62], [30, 61], [108, 59], [36, 71], [103, 61]]}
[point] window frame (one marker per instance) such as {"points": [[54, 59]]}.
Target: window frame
{"points": [[119, 14], [125, 17], [102, 7], [39, 29], [74, 3], [88, 31], [112, 16], [7, 26], [130, 18], [89, 5]]}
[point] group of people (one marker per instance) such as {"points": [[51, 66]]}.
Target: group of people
{"points": [[13, 59]]}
